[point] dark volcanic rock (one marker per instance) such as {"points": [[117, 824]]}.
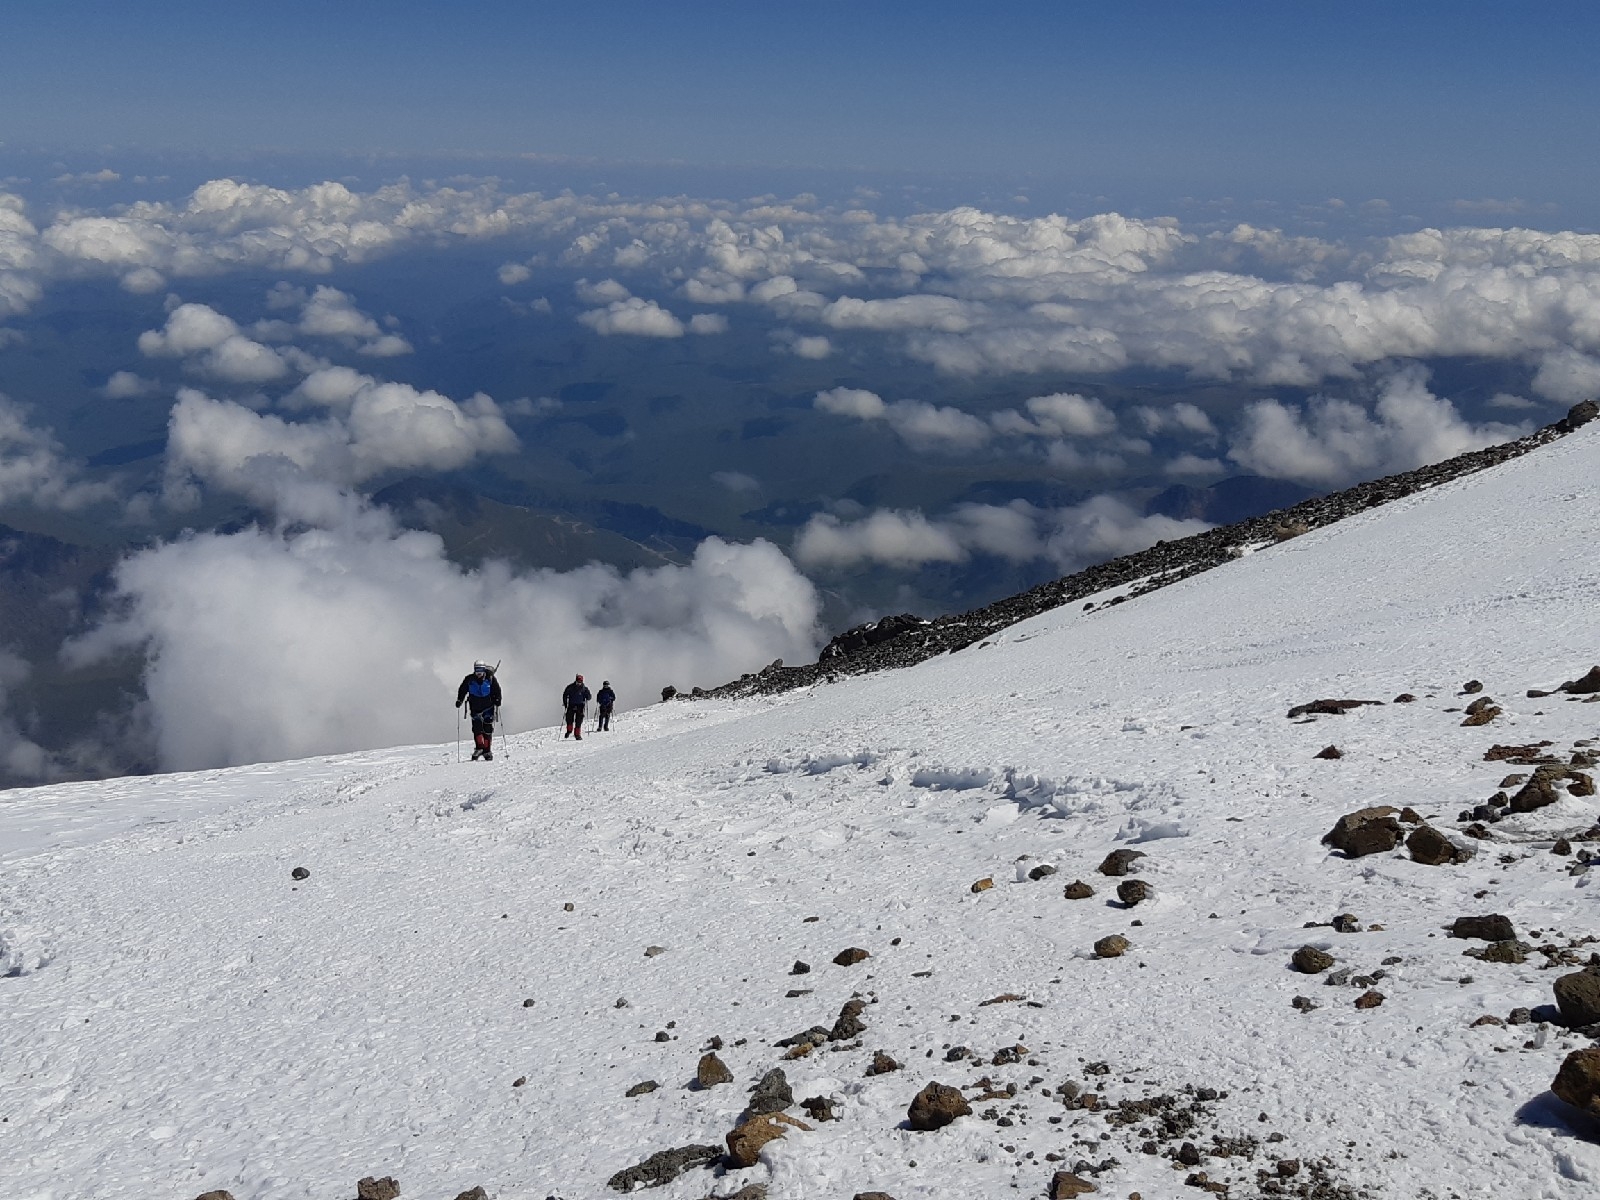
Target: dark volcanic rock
{"points": [[1584, 684], [1492, 928], [1309, 960], [663, 1167], [1121, 862], [850, 957], [369, 1188], [873, 633], [1329, 752], [1132, 891], [935, 1106], [711, 1072], [1366, 831], [1077, 890], [1327, 708], [771, 1094], [1432, 848], [300, 873], [849, 1025]]}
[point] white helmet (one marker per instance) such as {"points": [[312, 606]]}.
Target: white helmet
{"points": [[480, 665]]}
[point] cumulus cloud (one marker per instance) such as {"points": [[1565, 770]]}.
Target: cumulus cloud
{"points": [[607, 291], [1064, 414], [633, 318], [299, 467], [705, 323], [125, 385], [21, 758], [921, 425], [810, 347], [215, 344], [1176, 418], [363, 605], [1329, 442], [513, 273], [35, 471], [1069, 538]]}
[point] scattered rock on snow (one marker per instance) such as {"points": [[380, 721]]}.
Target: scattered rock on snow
{"points": [[1578, 1081], [1433, 849], [849, 1025], [1327, 708], [711, 1072], [1065, 1185], [800, 968], [218, 1195], [1132, 891], [820, 1108], [1303, 1004], [1077, 890], [1404, 698], [935, 1106], [849, 958], [473, 1193], [1042, 871], [1578, 997], [982, 885], [300, 873], [881, 1064], [1471, 686], [1369, 999], [1371, 830], [1586, 683], [1491, 928], [663, 1167], [872, 1196], [369, 1188], [1121, 862], [1346, 923], [1111, 947], [642, 1089], [771, 1094], [1508, 951], [652, 951], [745, 1141], [1309, 960], [1329, 752]]}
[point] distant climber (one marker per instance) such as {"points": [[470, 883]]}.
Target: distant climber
{"points": [[574, 700], [481, 691], [605, 699]]}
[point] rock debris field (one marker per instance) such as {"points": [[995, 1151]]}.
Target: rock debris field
{"points": [[1082, 911]]}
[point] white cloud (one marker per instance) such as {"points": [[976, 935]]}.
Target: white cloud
{"points": [[512, 273], [1101, 528], [363, 603], [35, 472], [811, 347], [607, 291], [634, 318], [190, 329], [125, 385], [1330, 442], [736, 481], [1568, 376], [705, 323], [299, 467], [921, 425], [1176, 418]]}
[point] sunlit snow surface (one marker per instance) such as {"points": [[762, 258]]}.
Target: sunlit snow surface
{"points": [[178, 1015]]}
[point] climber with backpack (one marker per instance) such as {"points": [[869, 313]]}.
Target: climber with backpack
{"points": [[574, 699], [481, 692]]}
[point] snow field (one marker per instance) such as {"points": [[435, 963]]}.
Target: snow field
{"points": [[181, 1016]]}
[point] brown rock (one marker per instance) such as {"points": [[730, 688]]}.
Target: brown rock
{"points": [[1562, 846], [982, 885], [1309, 960], [218, 1195], [377, 1189], [642, 1089], [1582, 785], [1471, 686], [1410, 816], [1132, 891], [1064, 1185], [1121, 862], [1488, 1019], [881, 1064], [935, 1106], [850, 957], [1491, 928], [711, 1072], [1578, 996], [1077, 890], [745, 1142], [1578, 1081], [1482, 717], [1287, 1168], [1114, 946], [1327, 708], [819, 1108], [1367, 831], [1405, 698], [1428, 846], [1369, 999], [1329, 752]]}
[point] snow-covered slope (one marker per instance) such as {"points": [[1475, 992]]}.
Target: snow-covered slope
{"points": [[180, 1016]]}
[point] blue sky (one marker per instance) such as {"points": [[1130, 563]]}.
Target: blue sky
{"points": [[1442, 101]]}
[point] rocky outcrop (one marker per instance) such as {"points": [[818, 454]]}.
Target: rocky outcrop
{"points": [[1578, 1081], [1372, 830], [935, 1106]]}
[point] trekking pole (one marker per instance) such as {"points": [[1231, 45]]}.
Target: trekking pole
{"points": [[458, 733], [507, 743]]}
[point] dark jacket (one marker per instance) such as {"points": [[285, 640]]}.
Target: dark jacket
{"points": [[606, 698], [481, 695], [576, 695]]}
